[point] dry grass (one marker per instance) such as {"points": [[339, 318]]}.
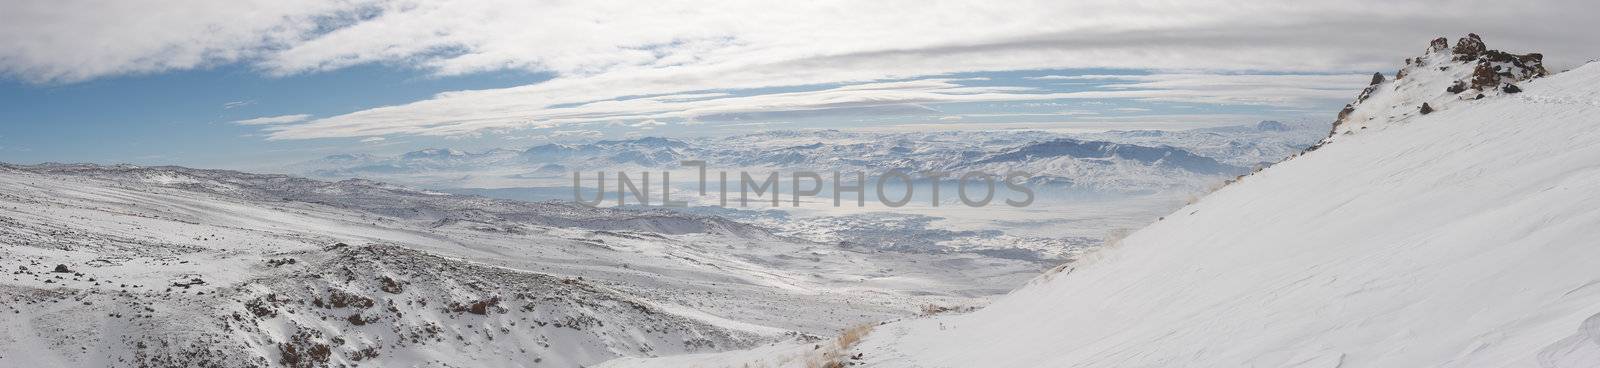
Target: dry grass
{"points": [[934, 309], [853, 335], [835, 354]]}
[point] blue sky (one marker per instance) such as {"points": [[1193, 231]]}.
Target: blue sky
{"points": [[182, 117], [261, 83], [186, 117]]}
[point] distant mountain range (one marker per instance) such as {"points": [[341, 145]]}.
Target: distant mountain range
{"points": [[1117, 161]]}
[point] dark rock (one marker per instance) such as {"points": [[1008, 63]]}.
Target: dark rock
{"points": [[1426, 109], [1511, 88], [356, 319], [1531, 64], [390, 285], [1469, 47], [482, 307], [1484, 76], [1376, 78], [1439, 44], [188, 280], [1343, 114], [1458, 87], [61, 268]]}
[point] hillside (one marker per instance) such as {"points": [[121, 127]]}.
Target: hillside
{"points": [[1463, 237], [126, 266]]}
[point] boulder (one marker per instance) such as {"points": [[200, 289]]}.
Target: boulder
{"points": [[1439, 44], [1469, 47]]}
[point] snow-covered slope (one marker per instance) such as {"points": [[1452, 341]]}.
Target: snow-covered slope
{"points": [[1463, 238], [1442, 78], [169, 266]]}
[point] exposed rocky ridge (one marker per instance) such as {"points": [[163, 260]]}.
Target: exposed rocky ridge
{"points": [[350, 305], [1440, 78]]}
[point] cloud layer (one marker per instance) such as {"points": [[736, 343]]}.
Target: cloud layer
{"points": [[554, 104], [272, 120], [879, 53]]}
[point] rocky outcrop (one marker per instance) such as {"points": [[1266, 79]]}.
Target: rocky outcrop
{"points": [[1438, 78], [1495, 69], [1377, 80], [1438, 44], [1469, 47]]}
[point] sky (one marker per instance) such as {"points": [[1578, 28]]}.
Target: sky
{"points": [[262, 84]]}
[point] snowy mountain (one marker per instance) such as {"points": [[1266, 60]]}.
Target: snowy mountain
{"points": [[1102, 182], [1442, 78], [1248, 146], [1110, 162], [1463, 237], [1166, 156], [167, 266]]}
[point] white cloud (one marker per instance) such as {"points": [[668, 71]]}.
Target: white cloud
{"points": [[1080, 77], [568, 136], [683, 51], [373, 139], [273, 120], [237, 104], [78, 39], [75, 40], [553, 103]]}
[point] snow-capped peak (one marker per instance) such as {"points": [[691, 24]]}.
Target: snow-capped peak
{"points": [[1273, 126], [1439, 79], [434, 153]]}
